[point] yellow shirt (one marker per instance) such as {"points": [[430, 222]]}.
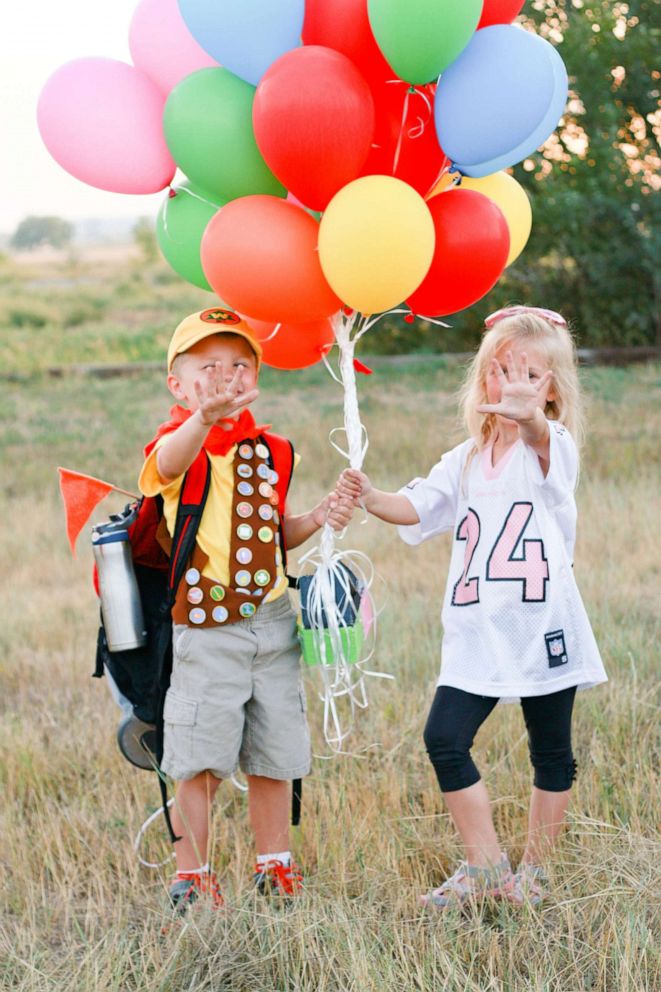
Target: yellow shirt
{"points": [[214, 532]]}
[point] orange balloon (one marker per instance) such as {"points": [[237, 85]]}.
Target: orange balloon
{"points": [[260, 255], [293, 346]]}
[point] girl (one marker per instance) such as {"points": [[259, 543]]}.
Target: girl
{"points": [[514, 623]]}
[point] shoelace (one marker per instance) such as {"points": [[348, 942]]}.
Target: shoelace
{"points": [[285, 879], [206, 884]]}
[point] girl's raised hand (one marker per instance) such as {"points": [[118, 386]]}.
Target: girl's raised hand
{"points": [[217, 398], [520, 399]]}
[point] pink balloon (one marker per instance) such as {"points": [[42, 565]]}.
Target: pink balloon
{"points": [[162, 46], [101, 120]]}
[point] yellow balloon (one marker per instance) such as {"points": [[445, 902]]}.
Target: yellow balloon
{"points": [[507, 194], [376, 242]]}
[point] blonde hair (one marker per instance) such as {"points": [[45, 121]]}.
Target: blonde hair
{"points": [[560, 351]]}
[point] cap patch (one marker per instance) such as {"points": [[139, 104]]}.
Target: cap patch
{"points": [[219, 316]]}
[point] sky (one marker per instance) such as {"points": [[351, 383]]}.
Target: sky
{"points": [[38, 36]]}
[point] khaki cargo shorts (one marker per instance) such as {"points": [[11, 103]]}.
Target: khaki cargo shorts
{"points": [[236, 699]]}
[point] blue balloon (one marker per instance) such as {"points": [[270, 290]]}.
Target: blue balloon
{"points": [[539, 136], [494, 96], [245, 36]]}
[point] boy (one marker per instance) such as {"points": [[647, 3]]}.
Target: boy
{"points": [[235, 695]]}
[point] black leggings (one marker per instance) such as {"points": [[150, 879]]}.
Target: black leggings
{"points": [[456, 716]]}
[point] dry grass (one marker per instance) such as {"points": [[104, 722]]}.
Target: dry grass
{"points": [[78, 914]]}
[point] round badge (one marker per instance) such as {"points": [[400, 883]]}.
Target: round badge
{"points": [[258, 592], [265, 489], [245, 489], [217, 593], [247, 609], [242, 592], [273, 500], [245, 471], [244, 556], [263, 471], [265, 534], [276, 517], [192, 576], [197, 615], [219, 614], [261, 451], [265, 511], [195, 595], [242, 577], [244, 532], [273, 477], [262, 577], [245, 450], [244, 509]]}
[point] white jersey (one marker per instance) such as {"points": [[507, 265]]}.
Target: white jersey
{"points": [[514, 623]]}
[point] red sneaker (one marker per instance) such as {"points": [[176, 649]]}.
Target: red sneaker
{"points": [[187, 888], [277, 879]]}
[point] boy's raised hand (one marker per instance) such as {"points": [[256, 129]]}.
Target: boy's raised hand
{"points": [[520, 399], [217, 398], [353, 485]]}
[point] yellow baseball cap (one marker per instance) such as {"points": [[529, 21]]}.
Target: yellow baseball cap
{"points": [[203, 324]]}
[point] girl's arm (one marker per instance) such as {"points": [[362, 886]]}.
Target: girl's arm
{"points": [[523, 401], [394, 508]]}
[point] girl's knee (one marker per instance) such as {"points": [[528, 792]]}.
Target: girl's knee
{"points": [[555, 771]]}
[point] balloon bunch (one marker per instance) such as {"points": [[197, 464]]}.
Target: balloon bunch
{"points": [[341, 157], [277, 111]]}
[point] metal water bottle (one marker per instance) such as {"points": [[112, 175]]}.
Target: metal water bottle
{"points": [[120, 599]]}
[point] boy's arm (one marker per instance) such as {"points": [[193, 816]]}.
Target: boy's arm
{"points": [[394, 508], [333, 508], [182, 448]]}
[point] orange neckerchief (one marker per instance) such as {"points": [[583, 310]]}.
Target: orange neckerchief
{"points": [[218, 440]]}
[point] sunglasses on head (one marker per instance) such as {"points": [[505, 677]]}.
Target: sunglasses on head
{"points": [[550, 315]]}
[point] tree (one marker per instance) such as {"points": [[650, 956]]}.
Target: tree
{"points": [[35, 231], [596, 236], [144, 236]]}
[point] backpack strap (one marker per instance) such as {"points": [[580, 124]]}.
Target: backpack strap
{"points": [[193, 496]]}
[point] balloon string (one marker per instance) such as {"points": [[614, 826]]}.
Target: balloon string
{"points": [[271, 335], [400, 136], [172, 193], [444, 168]]}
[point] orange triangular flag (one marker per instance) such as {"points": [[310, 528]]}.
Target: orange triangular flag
{"points": [[81, 493]]}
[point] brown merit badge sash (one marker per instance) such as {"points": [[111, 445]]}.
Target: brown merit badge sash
{"points": [[255, 551]]}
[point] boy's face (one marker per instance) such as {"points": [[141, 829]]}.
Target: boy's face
{"points": [[233, 352]]}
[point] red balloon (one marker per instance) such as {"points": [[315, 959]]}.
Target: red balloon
{"points": [[499, 12], [472, 245], [344, 25], [260, 256], [293, 346], [313, 117], [405, 146]]}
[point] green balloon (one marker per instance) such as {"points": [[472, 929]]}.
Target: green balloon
{"points": [[208, 129], [421, 38], [180, 224]]}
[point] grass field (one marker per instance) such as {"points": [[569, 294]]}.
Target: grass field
{"points": [[77, 913]]}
